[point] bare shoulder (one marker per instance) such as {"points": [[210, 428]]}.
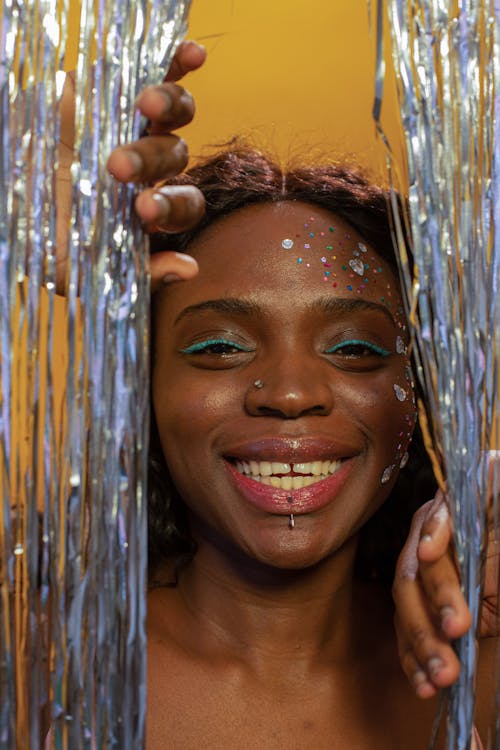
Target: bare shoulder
{"points": [[486, 689]]}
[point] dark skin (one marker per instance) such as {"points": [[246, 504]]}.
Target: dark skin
{"points": [[264, 642], [423, 632]]}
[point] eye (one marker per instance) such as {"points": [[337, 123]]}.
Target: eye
{"points": [[217, 347], [357, 348]]}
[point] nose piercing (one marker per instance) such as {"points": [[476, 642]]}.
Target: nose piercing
{"points": [[258, 384]]}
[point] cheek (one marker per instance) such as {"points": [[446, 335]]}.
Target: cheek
{"points": [[383, 402], [189, 411]]}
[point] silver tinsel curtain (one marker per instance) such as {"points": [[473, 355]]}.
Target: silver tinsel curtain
{"points": [[72, 517], [447, 63], [72, 520]]}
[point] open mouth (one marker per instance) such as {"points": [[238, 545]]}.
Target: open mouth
{"points": [[287, 476]]}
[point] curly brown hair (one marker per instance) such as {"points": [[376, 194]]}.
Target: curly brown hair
{"points": [[229, 181]]}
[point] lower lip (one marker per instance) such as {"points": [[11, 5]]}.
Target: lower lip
{"points": [[306, 500]]}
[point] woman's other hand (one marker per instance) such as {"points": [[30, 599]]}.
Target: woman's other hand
{"points": [[431, 610]]}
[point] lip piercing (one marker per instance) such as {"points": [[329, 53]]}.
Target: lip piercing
{"points": [[258, 384], [291, 523]]}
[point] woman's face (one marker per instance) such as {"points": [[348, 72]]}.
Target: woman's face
{"points": [[281, 383]]}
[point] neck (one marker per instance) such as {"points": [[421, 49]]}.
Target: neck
{"points": [[269, 613]]}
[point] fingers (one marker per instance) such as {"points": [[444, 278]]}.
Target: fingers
{"points": [[440, 583], [426, 655], [436, 532], [430, 607], [167, 106], [189, 56], [168, 267], [172, 208], [149, 160], [438, 574]]}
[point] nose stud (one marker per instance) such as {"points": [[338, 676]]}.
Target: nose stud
{"points": [[258, 384]]}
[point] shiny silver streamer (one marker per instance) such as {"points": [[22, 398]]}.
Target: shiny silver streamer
{"points": [[446, 58], [73, 504]]}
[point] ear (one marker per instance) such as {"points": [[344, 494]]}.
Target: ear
{"points": [[169, 266]]}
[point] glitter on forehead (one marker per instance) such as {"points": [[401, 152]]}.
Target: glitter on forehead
{"points": [[357, 266], [360, 274]]}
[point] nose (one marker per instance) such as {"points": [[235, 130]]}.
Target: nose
{"points": [[290, 389]]}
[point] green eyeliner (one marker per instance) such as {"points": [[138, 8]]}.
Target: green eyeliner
{"points": [[201, 345], [359, 342]]}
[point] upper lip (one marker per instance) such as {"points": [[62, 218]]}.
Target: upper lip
{"points": [[292, 449]]}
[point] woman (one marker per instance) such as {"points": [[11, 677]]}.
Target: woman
{"points": [[283, 476], [270, 602]]}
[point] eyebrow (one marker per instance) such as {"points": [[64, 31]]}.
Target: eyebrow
{"points": [[345, 305], [245, 307], [231, 305]]}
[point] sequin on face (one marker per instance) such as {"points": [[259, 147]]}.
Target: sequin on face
{"points": [[386, 475], [400, 345], [404, 460], [357, 266], [360, 275], [401, 394]]}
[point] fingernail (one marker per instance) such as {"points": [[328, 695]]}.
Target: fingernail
{"points": [[187, 258], [442, 512], [135, 161], [164, 204], [419, 677], [446, 614], [426, 538], [167, 101], [435, 666], [171, 277], [192, 43]]}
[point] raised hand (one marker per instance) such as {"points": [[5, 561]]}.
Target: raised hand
{"points": [[431, 610]]}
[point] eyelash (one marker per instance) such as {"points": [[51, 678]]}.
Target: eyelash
{"points": [[203, 347], [359, 344]]}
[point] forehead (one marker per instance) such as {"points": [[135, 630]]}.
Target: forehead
{"points": [[294, 249]]}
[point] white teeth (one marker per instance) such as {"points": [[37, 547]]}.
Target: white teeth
{"points": [[283, 475], [302, 468], [279, 468], [316, 468], [265, 469]]}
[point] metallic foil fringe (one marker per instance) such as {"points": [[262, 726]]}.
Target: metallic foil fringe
{"points": [[73, 504], [446, 57]]}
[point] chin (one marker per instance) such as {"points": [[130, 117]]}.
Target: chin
{"points": [[294, 549]]}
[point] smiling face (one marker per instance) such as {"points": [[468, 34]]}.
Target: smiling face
{"points": [[281, 383]]}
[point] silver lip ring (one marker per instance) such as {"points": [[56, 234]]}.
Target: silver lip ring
{"points": [[258, 383]]}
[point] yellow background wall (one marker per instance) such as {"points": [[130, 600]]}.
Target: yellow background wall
{"points": [[297, 76]]}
